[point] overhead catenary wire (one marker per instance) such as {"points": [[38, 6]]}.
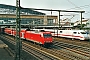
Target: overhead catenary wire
{"points": [[79, 7], [85, 6], [73, 4]]}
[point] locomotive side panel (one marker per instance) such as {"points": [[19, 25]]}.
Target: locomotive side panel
{"points": [[34, 37]]}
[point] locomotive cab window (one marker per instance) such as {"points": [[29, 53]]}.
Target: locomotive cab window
{"points": [[60, 31], [74, 32], [47, 35]]}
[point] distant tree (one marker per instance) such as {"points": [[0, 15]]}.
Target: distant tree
{"points": [[83, 25], [87, 23]]}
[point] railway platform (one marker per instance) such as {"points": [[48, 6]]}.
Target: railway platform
{"points": [[4, 52]]}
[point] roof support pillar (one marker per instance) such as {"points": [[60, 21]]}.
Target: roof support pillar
{"points": [[81, 20], [45, 20], [59, 19]]}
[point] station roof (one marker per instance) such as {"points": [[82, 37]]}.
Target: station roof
{"points": [[28, 11]]}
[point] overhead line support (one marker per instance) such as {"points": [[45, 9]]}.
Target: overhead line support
{"points": [[18, 46]]}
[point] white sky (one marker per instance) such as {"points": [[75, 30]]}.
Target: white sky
{"points": [[55, 4]]}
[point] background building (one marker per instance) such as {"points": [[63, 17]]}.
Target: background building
{"points": [[38, 18]]}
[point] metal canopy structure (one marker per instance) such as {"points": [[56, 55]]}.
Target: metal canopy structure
{"points": [[53, 10], [8, 9]]}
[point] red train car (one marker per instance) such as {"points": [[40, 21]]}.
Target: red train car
{"points": [[8, 31], [43, 38]]}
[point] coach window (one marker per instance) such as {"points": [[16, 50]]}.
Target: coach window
{"points": [[60, 31], [83, 32], [74, 32]]}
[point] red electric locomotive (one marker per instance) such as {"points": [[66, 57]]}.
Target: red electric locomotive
{"points": [[43, 38]]}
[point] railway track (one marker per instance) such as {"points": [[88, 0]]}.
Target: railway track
{"points": [[59, 51], [38, 52], [85, 43], [82, 53]]}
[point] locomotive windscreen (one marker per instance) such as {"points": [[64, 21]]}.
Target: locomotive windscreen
{"points": [[47, 35]]}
